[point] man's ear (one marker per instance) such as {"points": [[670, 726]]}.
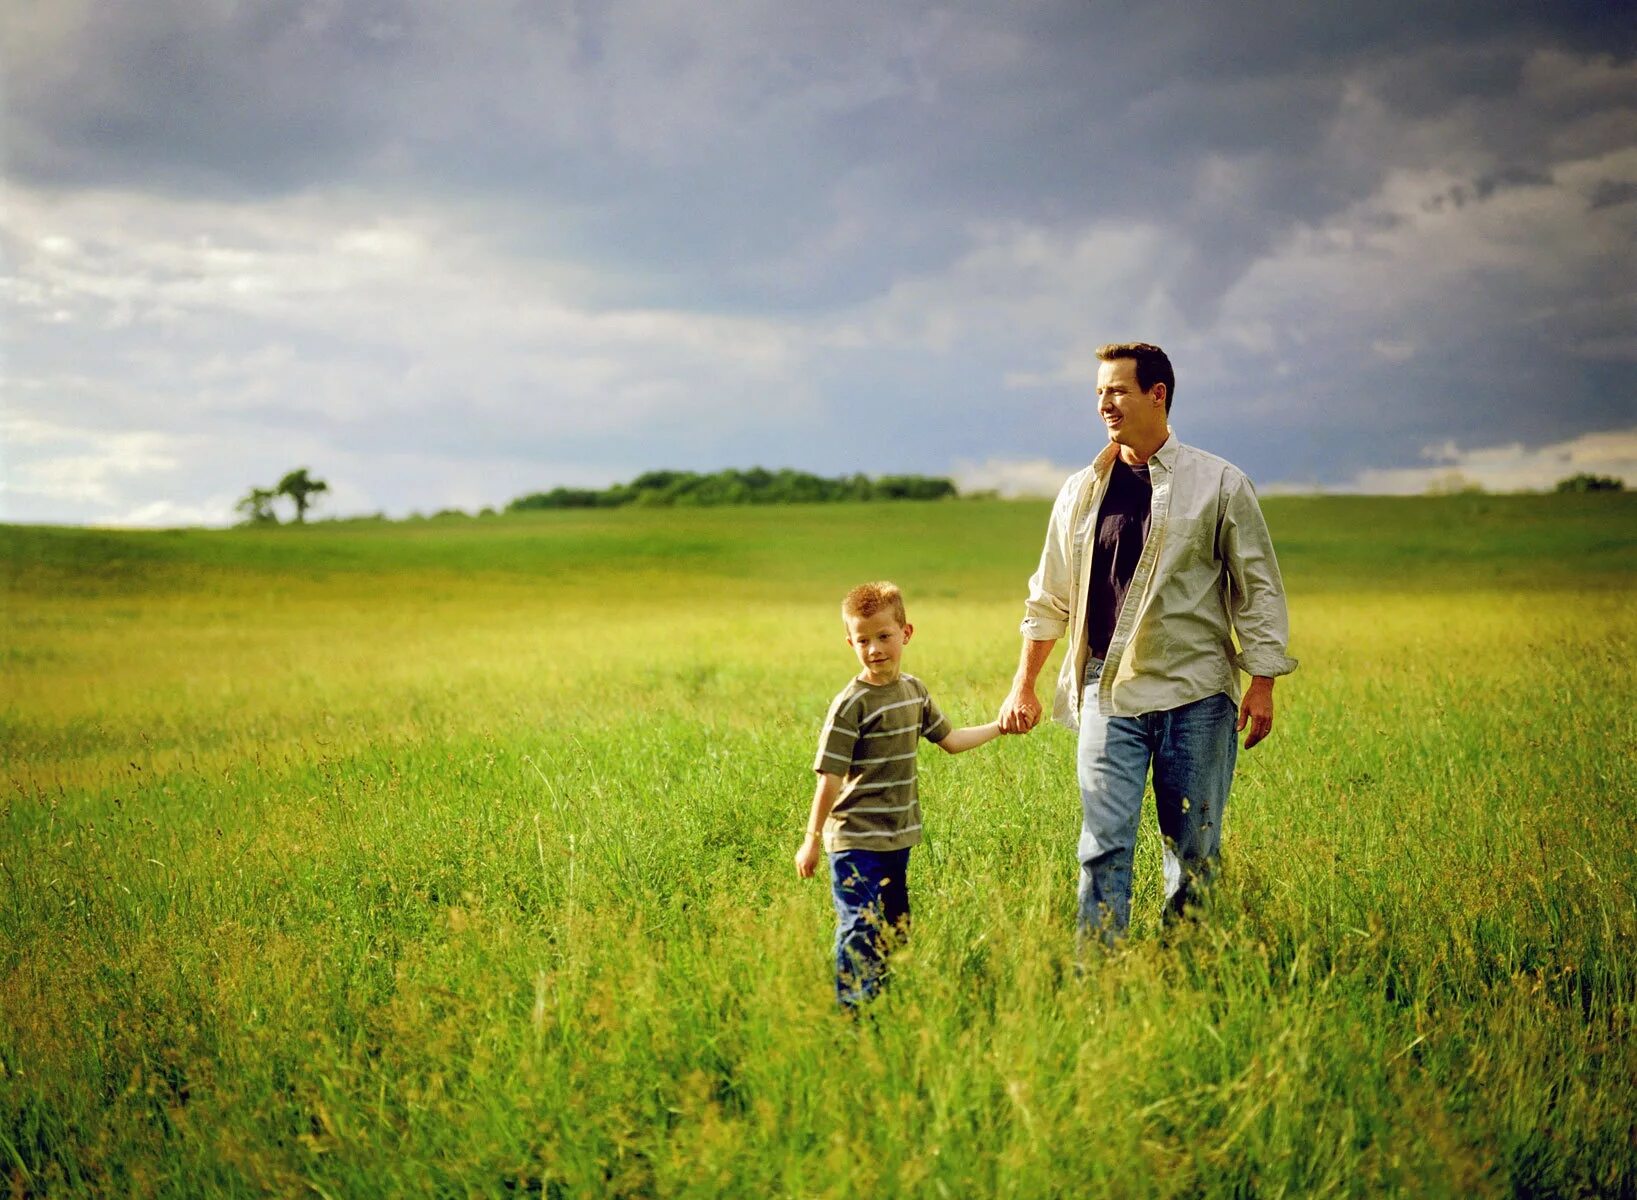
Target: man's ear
{"points": [[1158, 392]]}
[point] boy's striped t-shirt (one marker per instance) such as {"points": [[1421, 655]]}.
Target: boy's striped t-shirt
{"points": [[869, 739]]}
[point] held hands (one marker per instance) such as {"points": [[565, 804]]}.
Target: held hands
{"points": [[1256, 710], [1021, 711]]}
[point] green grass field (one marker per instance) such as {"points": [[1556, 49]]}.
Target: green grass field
{"points": [[453, 857]]}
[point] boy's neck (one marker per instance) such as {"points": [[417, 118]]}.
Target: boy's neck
{"points": [[870, 677]]}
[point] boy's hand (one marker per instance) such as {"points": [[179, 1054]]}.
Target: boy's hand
{"points": [[807, 858]]}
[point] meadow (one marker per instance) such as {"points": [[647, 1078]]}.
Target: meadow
{"points": [[454, 857]]}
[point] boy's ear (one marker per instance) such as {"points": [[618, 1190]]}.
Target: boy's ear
{"points": [[908, 629]]}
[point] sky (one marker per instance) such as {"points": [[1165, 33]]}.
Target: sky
{"points": [[444, 255]]}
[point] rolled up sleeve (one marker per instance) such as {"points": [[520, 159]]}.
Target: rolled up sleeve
{"points": [[1046, 612], [1257, 602]]}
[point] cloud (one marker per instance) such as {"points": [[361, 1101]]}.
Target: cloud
{"points": [[1012, 478], [340, 329], [443, 255], [1508, 468], [1505, 468], [73, 465], [1511, 313], [1395, 350], [1610, 193], [753, 155], [168, 514]]}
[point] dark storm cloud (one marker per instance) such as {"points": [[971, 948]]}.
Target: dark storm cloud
{"points": [[767, 154], [1485, 186], [173, 95], [1610, 193], [1359, 227]]}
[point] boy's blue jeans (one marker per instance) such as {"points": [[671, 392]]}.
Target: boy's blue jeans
{"points": [[1192, 751], [872, 915]]}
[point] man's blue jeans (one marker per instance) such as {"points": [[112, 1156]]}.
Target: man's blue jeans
{"points": [[872, 915], [1192, 750]]}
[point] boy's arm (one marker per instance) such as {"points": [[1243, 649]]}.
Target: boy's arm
{"points": [[812, 845], [970, 738]]}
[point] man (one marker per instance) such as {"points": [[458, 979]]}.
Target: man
{"points": [[1156, 555]]}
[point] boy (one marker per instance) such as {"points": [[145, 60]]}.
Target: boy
{"points": [[864, 807]]}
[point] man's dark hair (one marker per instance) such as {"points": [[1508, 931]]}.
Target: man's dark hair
{"points": [[1152, 365]]}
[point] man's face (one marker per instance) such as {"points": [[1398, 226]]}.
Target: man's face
{"points": [[1132, 416]]}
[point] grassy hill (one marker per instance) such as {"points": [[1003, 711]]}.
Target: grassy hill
{"points": [[454, 856]]}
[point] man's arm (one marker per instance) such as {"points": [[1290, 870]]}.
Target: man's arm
{"points": [[1257, 604], [812, 844], [1021, 711], [1046, 613], [1256, 710]]}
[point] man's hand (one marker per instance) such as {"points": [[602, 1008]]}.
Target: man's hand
{"points": [[807, 858], [1021, 712], [1256, 710]]}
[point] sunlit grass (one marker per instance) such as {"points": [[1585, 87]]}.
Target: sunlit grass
{"points": [[455, 858]]}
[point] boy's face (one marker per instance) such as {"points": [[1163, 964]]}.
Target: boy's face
{"points": [[878, 640]]}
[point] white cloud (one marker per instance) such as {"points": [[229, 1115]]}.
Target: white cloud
{"points": [[81, 466], [1506, 468], [350, 313], [249, 338], [1012, 478], [1065, 291], [1351, 272], [168, 514]]}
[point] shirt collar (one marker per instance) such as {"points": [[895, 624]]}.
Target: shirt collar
{"points": [[1166, 455]]}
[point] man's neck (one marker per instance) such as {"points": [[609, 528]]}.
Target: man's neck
{"points": [[1136, 456]]}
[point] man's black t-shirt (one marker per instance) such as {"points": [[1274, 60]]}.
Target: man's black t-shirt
{"points": [[1122, 528]]}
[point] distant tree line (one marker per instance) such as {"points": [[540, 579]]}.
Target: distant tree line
{"points": [[665, 489], [1587, 482], [756, 486]]}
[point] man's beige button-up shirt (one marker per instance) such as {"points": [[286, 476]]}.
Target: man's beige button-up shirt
{"points": [[1207, 573]]}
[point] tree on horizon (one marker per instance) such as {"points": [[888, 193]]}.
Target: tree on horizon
{"points": [[257, 506], [300, 487]]}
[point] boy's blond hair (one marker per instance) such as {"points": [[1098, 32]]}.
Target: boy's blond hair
{"points": [[867, 599]]}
